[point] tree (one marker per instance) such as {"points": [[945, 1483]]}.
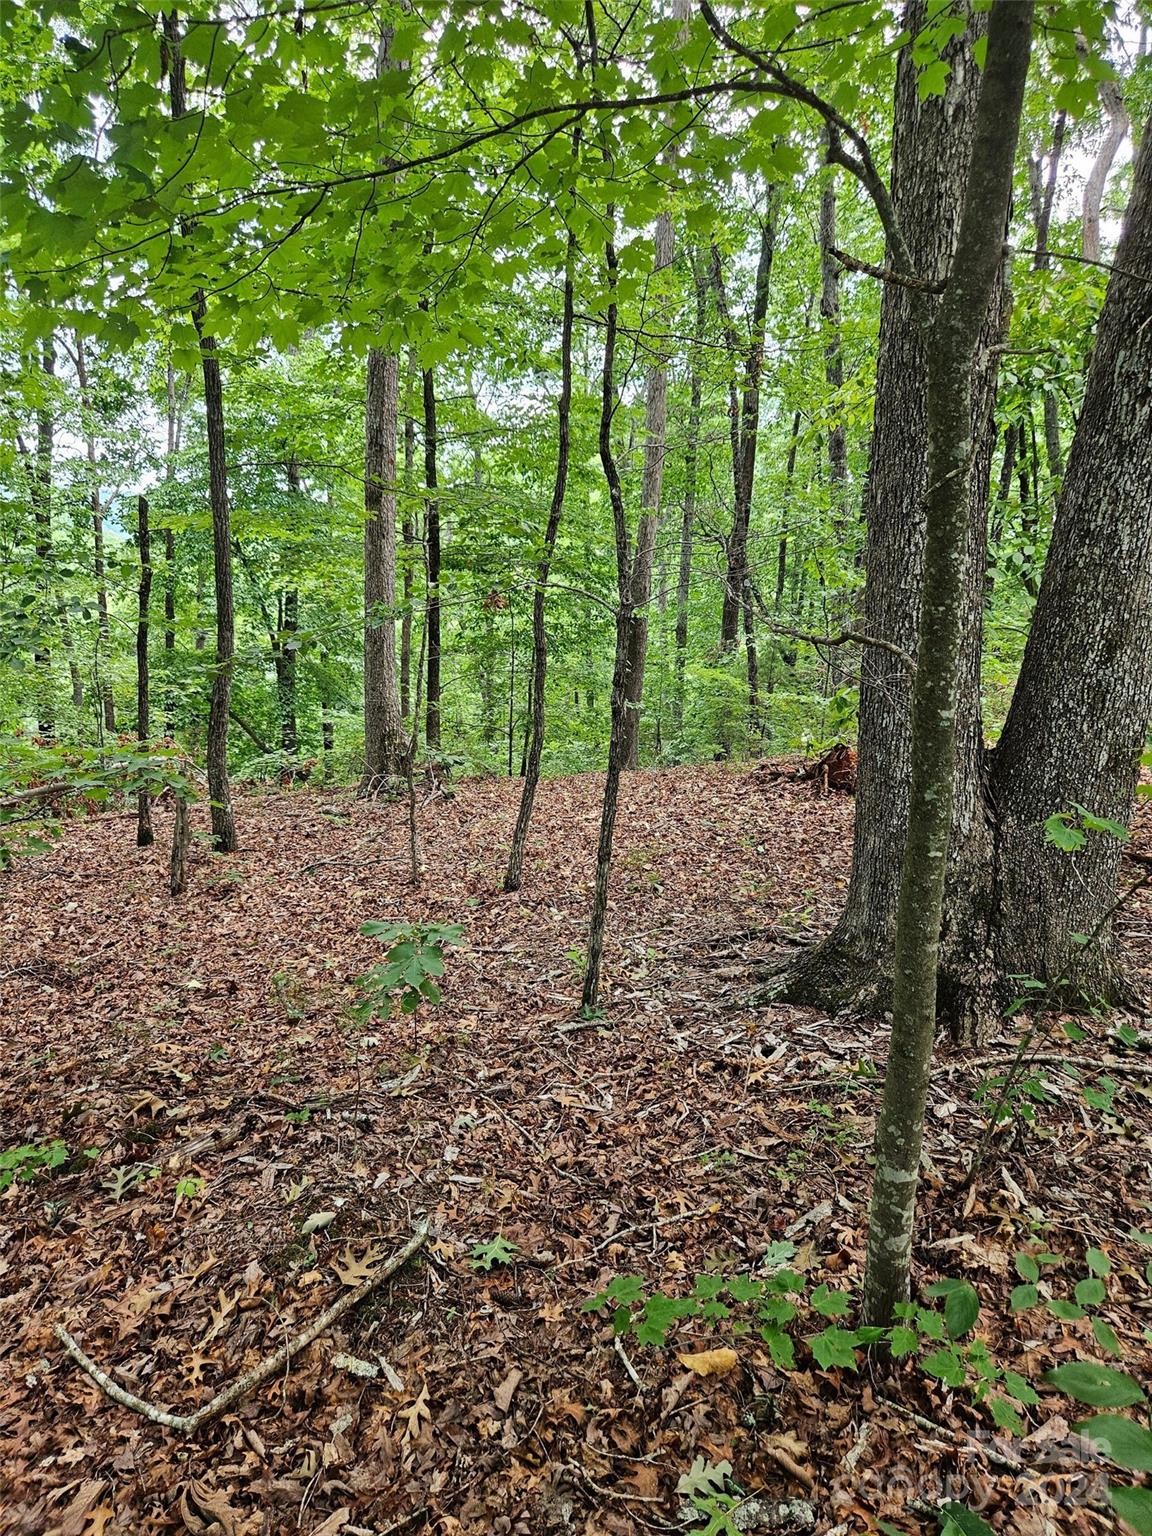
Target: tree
{"points": [[383, 725], [931, 153], [951, 354], [143, 694], [1080, 708]]}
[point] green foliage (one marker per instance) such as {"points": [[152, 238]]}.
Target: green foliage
{"points": [[411, 969], [23, 1163], [497, 1250]]}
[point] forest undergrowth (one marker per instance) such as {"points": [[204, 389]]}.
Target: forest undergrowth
{"points": [[237, 1150]]}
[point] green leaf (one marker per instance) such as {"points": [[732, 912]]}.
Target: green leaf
{"points": [[961, 1309], [1027, 1267], [1006, 1416], [946, 1365], [956, 1520], [1106, 1336], [1098, 1262], [1123, 1441], [831, 1303], [833, 1347], [1100, 1385], [902, 1341], [1017, 1387], [1059, 831], [1066, 1311], [1133, 1505], [1023, 1297]]}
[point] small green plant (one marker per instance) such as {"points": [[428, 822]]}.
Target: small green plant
{"points": [[411, 968], [498, 1250], [22, 1163], [190, 1188]]}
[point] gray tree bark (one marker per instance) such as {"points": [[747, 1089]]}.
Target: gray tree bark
{"points": [[383, 725], [952, 344]]}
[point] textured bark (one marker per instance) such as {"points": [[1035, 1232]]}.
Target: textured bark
{"points": [[407, 535], [1077, 720], [432, 550], [219, 789], [1043, 172], [219, 709], [952, 344], [383, 725], [598, 922], [143, 696], [174, 415], [931, 153], [833, 353], [534, 742]]}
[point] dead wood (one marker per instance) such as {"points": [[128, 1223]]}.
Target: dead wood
{"points": [[264, 1370]]}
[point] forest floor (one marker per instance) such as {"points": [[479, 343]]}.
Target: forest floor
{"points": [[209, 1037]]}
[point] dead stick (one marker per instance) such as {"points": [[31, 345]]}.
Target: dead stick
{"points": [[271, 1365]]}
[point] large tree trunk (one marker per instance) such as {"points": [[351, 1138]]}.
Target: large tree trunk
{"points": [[432, 547], [1077, 721], [383, 726], [931, 153], [514, 874], [143, 697], [951, 347]]}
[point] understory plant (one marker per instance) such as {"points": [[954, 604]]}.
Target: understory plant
{"points": [[789, 1311], [410, 971]]}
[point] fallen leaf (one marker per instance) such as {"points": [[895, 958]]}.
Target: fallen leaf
{"points": [[504, 1393], [711, 1362]]}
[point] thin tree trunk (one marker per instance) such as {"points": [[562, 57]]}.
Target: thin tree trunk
{"points": [[383, 726], [408, 536], [833, 356], [514, 874], [1115, 132], [432, 546], [327, 732], [596, 927], [42, 513], [651, 492], [1042, 181], [952, 343], [143, 700], [103, 627], [173, 447], [219, 790], [691, 469]]}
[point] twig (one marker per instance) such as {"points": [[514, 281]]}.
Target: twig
{"points": [[640, 1226], [626, 1363], [271, 1365], [885, 274]]}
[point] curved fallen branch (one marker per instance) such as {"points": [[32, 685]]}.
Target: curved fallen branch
{"points": [[264, 1370]]}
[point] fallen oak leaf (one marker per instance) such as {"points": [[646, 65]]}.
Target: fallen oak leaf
{"points": [[416, 1415], [711, 1362], [354, 1271], [505, 1392]]}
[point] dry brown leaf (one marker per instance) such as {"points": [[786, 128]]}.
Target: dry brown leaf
{"points": [[416, 1416], [711, 1362], [505, 1392], [353, 1271], [335, 1522]]}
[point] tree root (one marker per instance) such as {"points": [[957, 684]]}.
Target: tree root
{"points": [[264, 1370]]}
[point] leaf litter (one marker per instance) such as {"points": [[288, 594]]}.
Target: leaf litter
{"points": [[207, 1042]]}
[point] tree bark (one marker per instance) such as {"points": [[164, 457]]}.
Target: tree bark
{"points": [[41, 498], [931, 154], [383, 725], [96, 506], [1116, 129], [174, 412], [143, 699], [598, 922], [219, 790], [432, 547], [1077, 720], [952, 343], [514, 874], [833, 355], [691, 469], [407, 534], [651, 491]]}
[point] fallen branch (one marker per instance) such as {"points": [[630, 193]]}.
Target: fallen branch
{"points": [[271, 1365]]}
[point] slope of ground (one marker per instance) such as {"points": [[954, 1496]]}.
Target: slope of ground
{"points": [[239, 1150]]}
